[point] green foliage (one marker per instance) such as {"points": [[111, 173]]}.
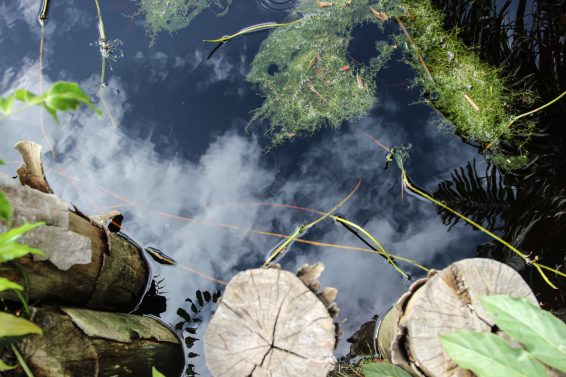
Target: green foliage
{"points": [[61, 97], [10, 249], [10, 325], [173, 15], [301, 71], [458, 72], [486, 354], [8, 284], [383, 370], [156, 373], [5, 208], [542, 335], [5, 367]]}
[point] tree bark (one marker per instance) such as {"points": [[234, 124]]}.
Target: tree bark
{"points": [[85, 264], [79, 342]]}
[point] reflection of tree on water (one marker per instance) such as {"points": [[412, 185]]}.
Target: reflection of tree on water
{"points": [[174, 15], [525, 39], [531, 215]]}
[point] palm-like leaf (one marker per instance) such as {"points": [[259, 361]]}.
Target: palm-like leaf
{"points": [[482, 199]]}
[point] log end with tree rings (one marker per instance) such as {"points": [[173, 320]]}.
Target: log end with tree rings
{"points": [[447, 301], [269, 322]]}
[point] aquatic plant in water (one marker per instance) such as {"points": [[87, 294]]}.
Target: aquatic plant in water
{"points": [[173, 15], [472, 95], [305, 75]]}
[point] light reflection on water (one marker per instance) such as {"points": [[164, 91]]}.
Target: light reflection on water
{"points": [[180, 151]]}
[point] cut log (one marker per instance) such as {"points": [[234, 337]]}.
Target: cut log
{"points": [[447, 301], [270, 323], [79, 342], [85, 265]]}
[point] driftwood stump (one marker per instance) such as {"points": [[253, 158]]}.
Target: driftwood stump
{"points": [[269, 323], [85, 264], [79, 342], [445, 302]]}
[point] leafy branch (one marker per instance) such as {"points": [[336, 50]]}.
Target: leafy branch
{"points": [[542, 335], [190, 321], [61, 97]]}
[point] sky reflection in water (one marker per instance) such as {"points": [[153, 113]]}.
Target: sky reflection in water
{"points": [[180, 148]]}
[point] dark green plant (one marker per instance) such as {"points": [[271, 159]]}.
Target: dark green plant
{"points": [[190, 322], [481, 198]]}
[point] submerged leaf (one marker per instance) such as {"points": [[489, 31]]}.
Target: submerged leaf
{"points": [[156, 373], [543, 335], [486, 354]]}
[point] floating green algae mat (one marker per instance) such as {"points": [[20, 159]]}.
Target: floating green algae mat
{"points": [[174, 15], [472, 95], [305, 75], [309, 82]]}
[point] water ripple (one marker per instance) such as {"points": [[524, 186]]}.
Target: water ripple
{"points": [[275, 7]]}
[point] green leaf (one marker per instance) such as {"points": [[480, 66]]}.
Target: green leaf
{"points": [[13, 234], [6, 104], [383, 370], [5, 208], [4, 367], [156, 373], [542, 334], [66, 96], [9, 249], [10, 325], [8, 284], [16, 250], [25, 96], [486, 354]]}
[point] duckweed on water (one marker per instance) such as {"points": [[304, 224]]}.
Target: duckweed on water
{"points": [[305, 75], [174, 15]]}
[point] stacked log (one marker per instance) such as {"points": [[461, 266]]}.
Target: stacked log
{"points": [[85, 266]]}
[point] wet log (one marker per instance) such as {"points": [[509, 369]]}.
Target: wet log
{"points": [[80, 342], [446, 301], [269, 322], [85, 264]]}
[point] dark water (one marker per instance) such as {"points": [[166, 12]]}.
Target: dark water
{"points": [[180, 149]]}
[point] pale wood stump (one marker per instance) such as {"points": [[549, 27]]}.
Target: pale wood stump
{"points": [[269, 323], [448, 301]]}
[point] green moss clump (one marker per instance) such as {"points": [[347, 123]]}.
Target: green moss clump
{"points": [[172, 15], [460, 79], [305, 75]]}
